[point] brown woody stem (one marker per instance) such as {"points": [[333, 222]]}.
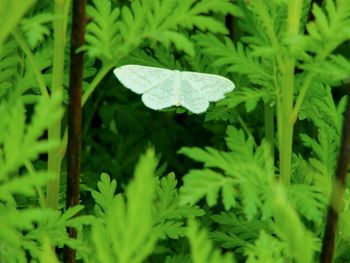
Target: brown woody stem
{"points": [[74, 115]]}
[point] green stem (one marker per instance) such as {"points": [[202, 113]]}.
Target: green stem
{"points": [[26, 49], [31, 170], [98, 78], [245, 128], [54, 132], [301, 96], [100, 75], [286, 99], [269, 114]]}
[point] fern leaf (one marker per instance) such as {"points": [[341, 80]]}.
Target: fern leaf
{"points": [[235, 59], [308, 201], [123, 236], [299, 241], [101, 34], [22, 144], [168, 213], [209, 156], [8, 66], [207, 183], [202, 248], [11, 13], [24, 185], [266, 248], [105, 196], [236, 232], [250, 97], [34, 28]]}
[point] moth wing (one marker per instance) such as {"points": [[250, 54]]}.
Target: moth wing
{"points": [[191, 98], [140, 79], [162, 95], [212, 87]]}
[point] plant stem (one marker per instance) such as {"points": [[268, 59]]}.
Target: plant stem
{"points": [[31, 170], [286, 97], [99, 76], [269, 114], [304, 88], [54, 132], [26, 49], [337, 191], [74, 115]]}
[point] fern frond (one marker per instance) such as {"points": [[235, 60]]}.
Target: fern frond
{"points": [[299, 241], [249, 96], [159, 21], [122, 236], [237, 142], [250, 184], [235, 231], [25, 230], [234, 58], [308, 201], [209, 156], [330, 28], [331, 71], [105, 196], [52, 225], [207, 183], [35, 28], [9, 61], [101, 35], [168, 213], [327, 117], [202, 248], [22, 143], [11, 13], [266, 248], [171, 229], [13, 222], [267, 22], [25, 185], [161, 58]]}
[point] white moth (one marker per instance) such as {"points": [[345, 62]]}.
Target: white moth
{"points": [[163, 88]]}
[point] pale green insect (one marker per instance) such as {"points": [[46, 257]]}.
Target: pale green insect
{"points": [[163, 88]]}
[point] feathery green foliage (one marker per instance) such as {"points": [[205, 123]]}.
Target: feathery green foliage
{"points": [[251, 176], [121, 229], [202, 249], [110, 38], [11, 13]]}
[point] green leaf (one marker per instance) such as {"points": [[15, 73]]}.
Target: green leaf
{"points": [[24, 185], [34, 28], [266, 248], [299, 241], [168, 212], [207, 183], [105, 196], [101, 34], [202, 248], [11, 13], [235, 231], [235, 58], [122, 236]]}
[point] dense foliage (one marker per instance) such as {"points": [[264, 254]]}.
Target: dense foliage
{"points": [[248, 181]]}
